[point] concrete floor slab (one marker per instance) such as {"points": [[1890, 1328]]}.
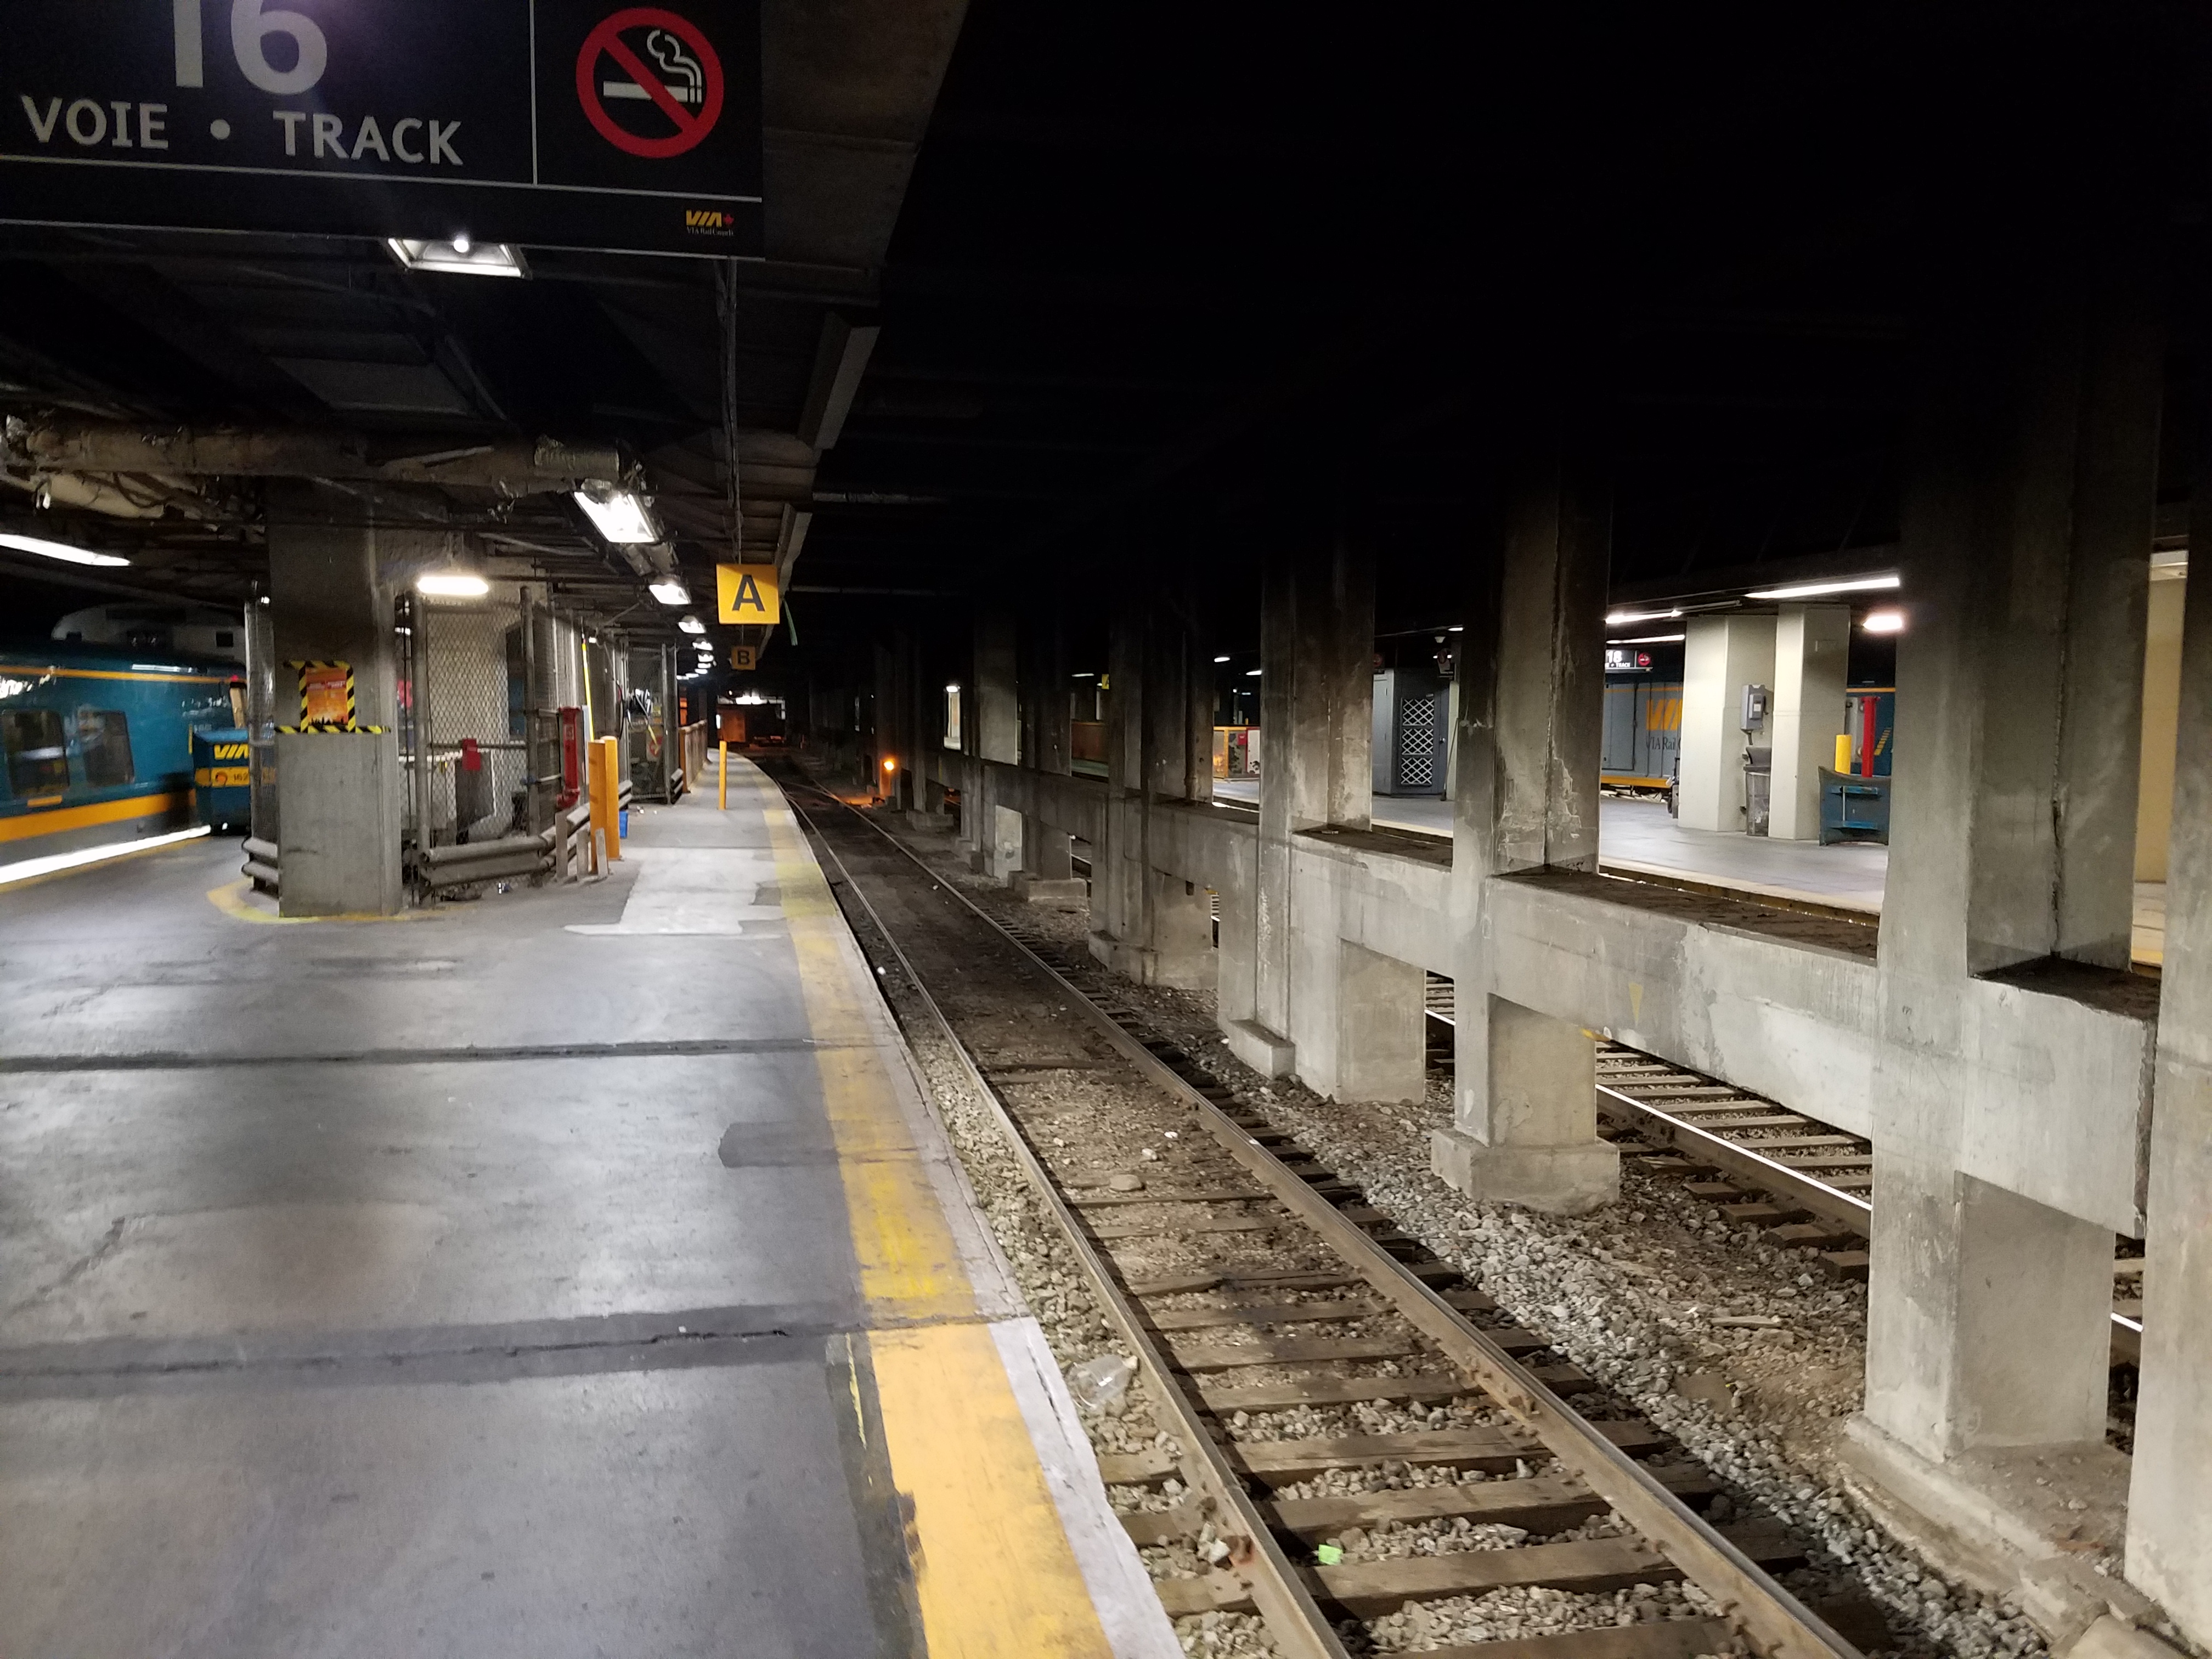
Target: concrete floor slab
{"points": [[575, 1271]]}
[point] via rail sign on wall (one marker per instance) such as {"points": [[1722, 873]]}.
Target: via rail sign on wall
{"points": [[578, 124]]}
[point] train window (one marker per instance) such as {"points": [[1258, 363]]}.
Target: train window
{"points": [[37, 760], [103, 738]]}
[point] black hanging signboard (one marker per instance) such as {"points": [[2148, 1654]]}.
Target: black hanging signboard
{"points": [[579, 123]]}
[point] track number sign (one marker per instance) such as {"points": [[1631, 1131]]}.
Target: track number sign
{"points": [[557, 123]]}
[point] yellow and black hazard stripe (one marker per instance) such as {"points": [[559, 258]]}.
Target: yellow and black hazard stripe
{"points": [[306, 665]]}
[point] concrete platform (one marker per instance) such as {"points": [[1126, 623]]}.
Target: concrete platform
{"points": [[575, 1271]]}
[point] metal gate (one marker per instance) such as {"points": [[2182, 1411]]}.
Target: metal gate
{"points": [[1411, 740]]}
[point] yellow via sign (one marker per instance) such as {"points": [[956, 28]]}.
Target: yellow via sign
{"points": [[747, 593]]}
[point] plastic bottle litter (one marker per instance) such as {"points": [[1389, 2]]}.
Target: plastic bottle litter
{"points": [[1097, 1384]]}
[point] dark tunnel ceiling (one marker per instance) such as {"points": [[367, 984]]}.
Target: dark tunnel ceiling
{"points": [[1165, 279]]}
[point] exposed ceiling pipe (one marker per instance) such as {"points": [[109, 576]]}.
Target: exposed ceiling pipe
{"points": [[518, 469]]}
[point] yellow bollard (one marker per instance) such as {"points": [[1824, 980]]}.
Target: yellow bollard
{"points": [[607, 786], [725, 777], [602, 801], [1842, 752]]}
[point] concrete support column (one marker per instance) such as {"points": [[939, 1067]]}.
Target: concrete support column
{"points": [[1317, 697], [1532, 691], [997, 718], [1048, 875], [1149, 923], [1812, 652], [340, 794], [1722, 655], [2026, 534], [1966, 1345], [2169, 1539]]}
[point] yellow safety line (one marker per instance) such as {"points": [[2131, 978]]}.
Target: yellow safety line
{"points": [[994, 1574], [993, 1571], [230, 899]]}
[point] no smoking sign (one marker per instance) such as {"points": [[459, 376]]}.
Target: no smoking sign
{"points": [[660, 71]]}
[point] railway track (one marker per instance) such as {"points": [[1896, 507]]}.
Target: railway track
{"points": [[1802, 1182], [1268, 1307]]}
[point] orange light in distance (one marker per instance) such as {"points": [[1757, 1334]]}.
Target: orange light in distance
{"points": [[890, 766]]}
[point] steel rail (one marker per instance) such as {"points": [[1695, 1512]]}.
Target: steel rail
{"points": [[1829, 1203], [1766, 1613], [1809, 1191], [1256, 1562]]}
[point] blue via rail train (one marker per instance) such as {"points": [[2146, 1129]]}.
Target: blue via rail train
{"points": [[97, 745]]}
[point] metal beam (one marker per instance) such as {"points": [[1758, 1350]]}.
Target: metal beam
{"points": [[115, 447]]}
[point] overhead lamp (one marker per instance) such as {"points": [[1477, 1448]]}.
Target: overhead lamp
{"points": [[1251, 673], [692, 625], [452, 585], [1884, 621], [62, 550], [1814, 590], [1221, 660], [460, 256], [1651, 639], [1455, 629], [621, 517], [670, 592], [1617, 618], [1086, 676]]}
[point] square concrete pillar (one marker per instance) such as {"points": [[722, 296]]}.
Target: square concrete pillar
{"points": [[1047, 872], [2169, 1542], [1531, 705], [1379, 1048], [1527, 1134], [1721, 656], [1812, 652], [1316, 697], [341, 794], [2031, 477], [996, 698], [1992, 1326], [340, 805]]}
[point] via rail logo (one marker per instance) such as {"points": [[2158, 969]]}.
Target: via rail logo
{"points": [[660, 70]]}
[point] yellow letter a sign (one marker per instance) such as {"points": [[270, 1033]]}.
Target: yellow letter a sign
{"points": [[747, 593]]}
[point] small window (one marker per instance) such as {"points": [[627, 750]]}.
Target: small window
{"points": [[103, 738], [223, 636], [38, 762]]}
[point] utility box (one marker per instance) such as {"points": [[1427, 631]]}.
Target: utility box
{"points": [[1412, 738], [222, 777]]}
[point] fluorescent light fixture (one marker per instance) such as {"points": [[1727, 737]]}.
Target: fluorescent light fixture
{"points": [[32, 869], [621, 518], [1455, 629], [1816, 590], [62, 550], [692, 625], [460, 256], [1221, 660], [1086, 676], [670, 592], [157, 668], [1884, 621], [1651, 639], [452, 585], [1617, 618], [1251, 673]]}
